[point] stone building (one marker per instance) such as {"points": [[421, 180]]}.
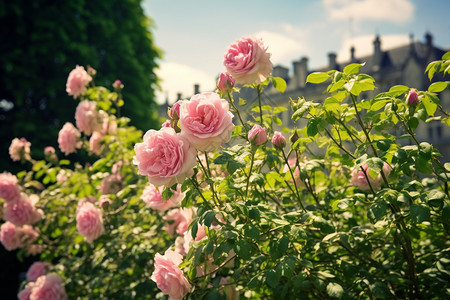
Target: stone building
{"points": [[403, 65]]}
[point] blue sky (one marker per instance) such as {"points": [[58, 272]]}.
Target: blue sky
{"points": [[195, 34]]}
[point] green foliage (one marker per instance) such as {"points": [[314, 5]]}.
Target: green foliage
{"points": [[41, 43], [346, 211]]}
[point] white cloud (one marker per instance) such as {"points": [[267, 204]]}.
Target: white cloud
{"points": [[397, 11], [180, 78], [284, 47], [364, 45]]}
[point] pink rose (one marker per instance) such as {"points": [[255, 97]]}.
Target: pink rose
{"points": [[257, 135], [167, 123], [115, 169], [19, 149], [37, 269], [88, 119], [247, 60], [165, 157], [77, 81], [359, 179], [21, 211], [10, 236], [168, 276], [292, 163], [62, 176], [48, 287], [69, 139], [225, 82], [109, 123], [94, 142], [153, 198], [49, 150], [205, 120], [174, 112], [9, 189], [278, 140], [111, 184], [104, 201], [181, 217], [413, 98], [26, 292], [118, 84], [89, 221]]}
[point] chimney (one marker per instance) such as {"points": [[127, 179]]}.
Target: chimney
{"points": [[196, 89], [377, 54], [352, 54], [428, 43], [178, 96], [301, 72], [279, 71], [332, 61]]}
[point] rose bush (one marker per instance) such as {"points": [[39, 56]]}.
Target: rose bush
{"points": [[207, 208]]}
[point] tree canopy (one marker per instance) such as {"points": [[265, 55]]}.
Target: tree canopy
{"points": [[42, 41]]}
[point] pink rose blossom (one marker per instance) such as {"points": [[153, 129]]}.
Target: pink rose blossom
{"points": [[9, 189], [88, 119], [37, 269], [94, 142], [111, 184], [153, 198], [167, 123], [69, 139], [174, 112], [225, 82], [292, 163], [413, 98], [10, 236], [48, 287], [29, 234], [118, 84], [181, 217], [89, 221], [49, 150], [257, 135], [21, 211], [109, 123], [165, 157], [278, 140], [62, 176], [104, 201], [168, 276], [247, 60], [77, 81], [359, 179], [26, 292], [19, 149], [35, 249], [205, 120]]}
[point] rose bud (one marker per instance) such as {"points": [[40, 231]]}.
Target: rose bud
{"points": [[225, 82], [278, 140], [413, 98], [257, 135]]}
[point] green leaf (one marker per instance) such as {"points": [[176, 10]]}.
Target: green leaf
{"points": [[397, 90], [437, 87], [317, 77], [429, 105], [353, 68], [279, 83], [413, 122], [446, 56], [335, 290], [242, 101], [377, 210], [279, 109], [213, 295], [272, 278], [419, 213]]}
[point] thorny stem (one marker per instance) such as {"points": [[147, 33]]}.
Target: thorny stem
{"points": [[230, 98], [292, 175], [307, 180], [259, 90], [340, 145], [250, 172], [358, 117]]}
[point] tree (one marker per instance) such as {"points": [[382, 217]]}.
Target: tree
{"points": [[42, 41]]}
